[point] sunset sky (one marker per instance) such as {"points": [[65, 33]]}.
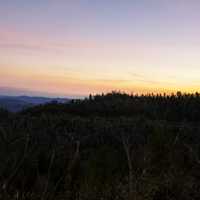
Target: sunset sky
{"points": [[77, 47]]}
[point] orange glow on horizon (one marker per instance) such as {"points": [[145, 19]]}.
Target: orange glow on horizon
{"points": [[71, 83]]}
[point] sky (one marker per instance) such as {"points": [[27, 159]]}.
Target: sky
{"points": [[77, 47]]}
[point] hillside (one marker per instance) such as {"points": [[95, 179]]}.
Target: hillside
{"points": [[111, 146], [18, 103]]}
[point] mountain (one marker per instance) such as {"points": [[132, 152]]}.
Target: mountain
{"points": [[18, 103]]}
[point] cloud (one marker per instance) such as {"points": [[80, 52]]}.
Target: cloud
{"points": [[146, 79], [13, 39], [136, 75], [112, 81], [45, 45]]}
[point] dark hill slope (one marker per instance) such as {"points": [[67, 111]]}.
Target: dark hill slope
{"points": [[18, 103]]}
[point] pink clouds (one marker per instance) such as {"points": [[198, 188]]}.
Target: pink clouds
{"points": [[30, 41]]}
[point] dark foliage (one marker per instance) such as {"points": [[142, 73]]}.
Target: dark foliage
{"points": [[113, 146]]}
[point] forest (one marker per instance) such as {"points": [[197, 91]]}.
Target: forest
{"points": [[113, 146]]}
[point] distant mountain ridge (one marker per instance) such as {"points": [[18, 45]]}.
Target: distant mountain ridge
{"points": [[18, 103]]}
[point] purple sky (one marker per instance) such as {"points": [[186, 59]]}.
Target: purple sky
{"points": [[71, 48]]}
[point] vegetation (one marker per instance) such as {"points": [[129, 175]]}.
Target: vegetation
{"points": [[106, 147]]}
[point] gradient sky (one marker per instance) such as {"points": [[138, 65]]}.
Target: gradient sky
{"points": [[71, 47]]}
